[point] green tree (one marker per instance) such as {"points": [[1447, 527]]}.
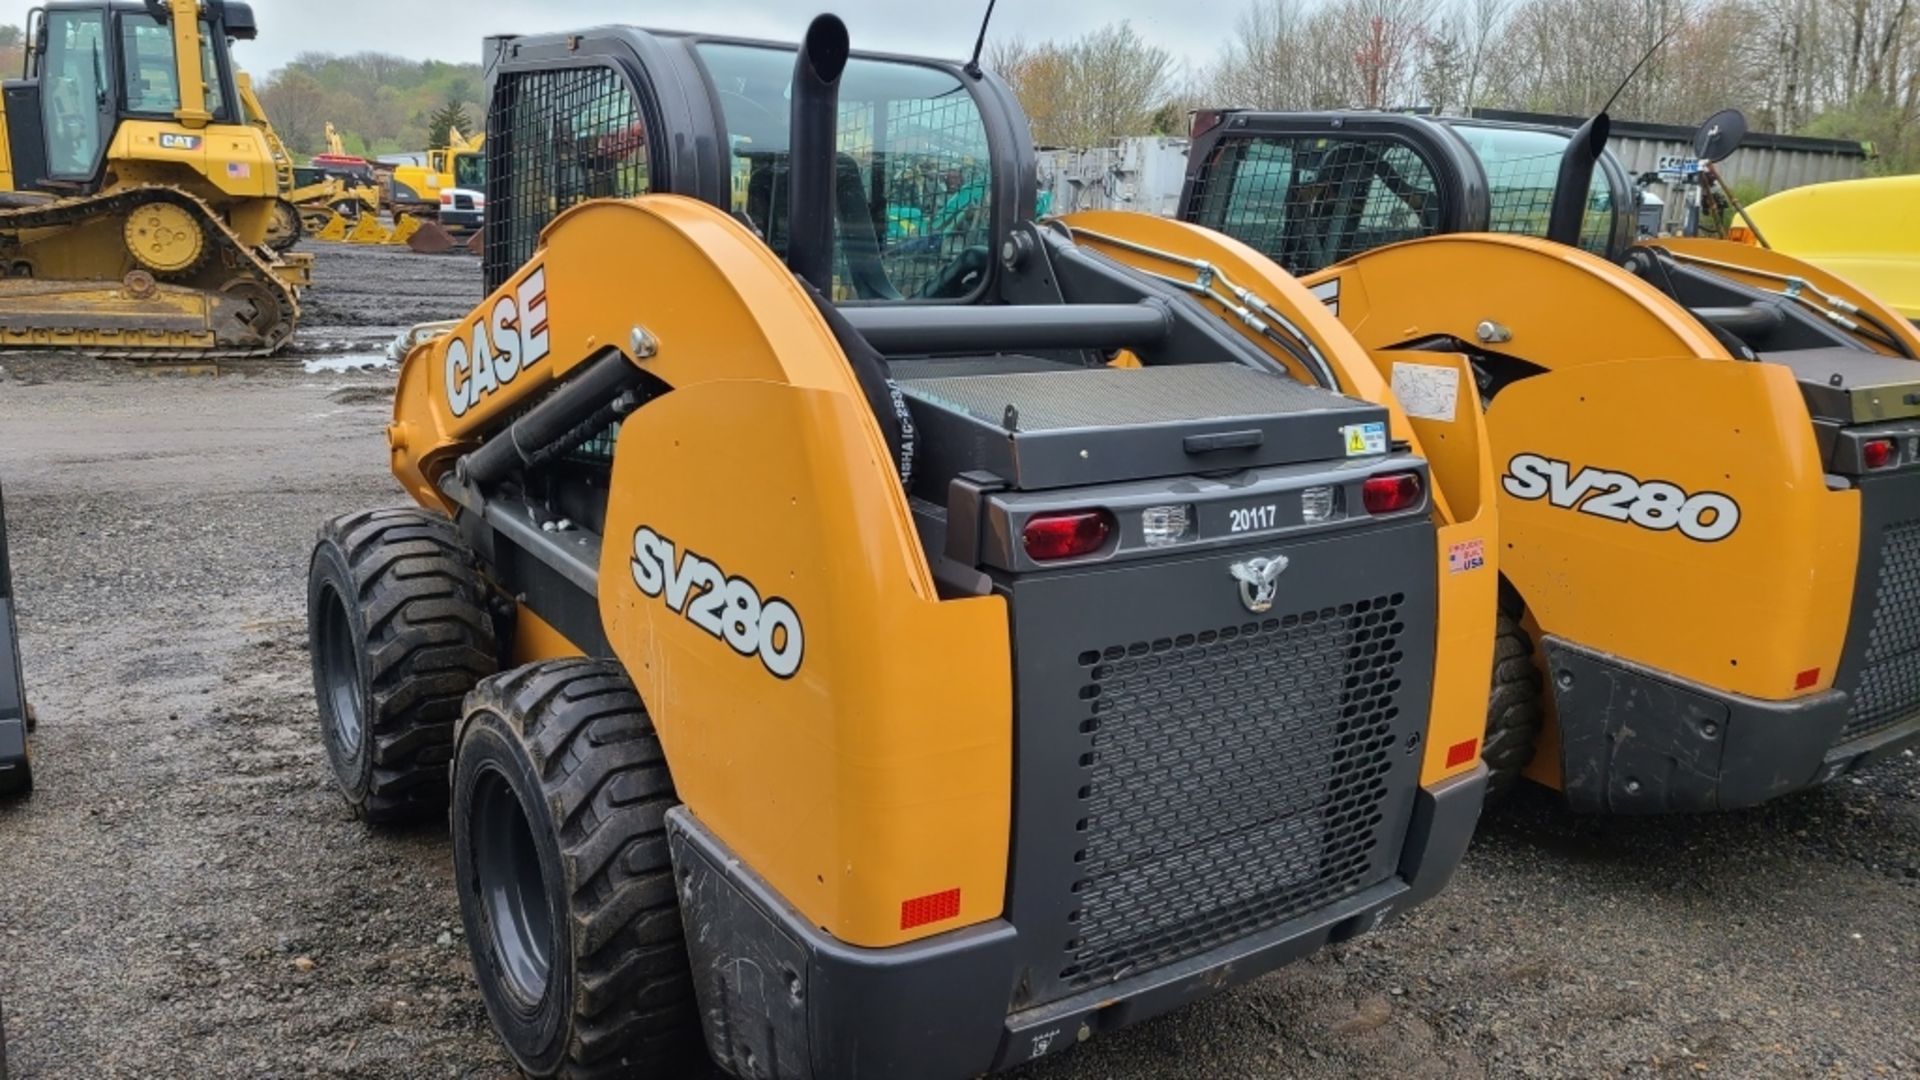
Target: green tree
{"points": [[447, 117]]}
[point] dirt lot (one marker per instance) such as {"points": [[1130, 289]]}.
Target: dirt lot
{"points": [[186, 896]]}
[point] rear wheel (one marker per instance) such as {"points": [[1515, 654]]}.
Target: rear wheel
{"points": [[567, 893], [399, 631], [1514, 708]]}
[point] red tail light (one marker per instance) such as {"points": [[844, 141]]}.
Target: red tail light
{"points": [[1395, 491], [1067, 534], [1878, 453]]}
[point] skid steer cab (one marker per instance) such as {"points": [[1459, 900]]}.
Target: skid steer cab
{"points": [[16, 763], [1709, 452], [874, 634]]}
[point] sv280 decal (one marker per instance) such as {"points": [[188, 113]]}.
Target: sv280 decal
{"points": [[1650, 504], [729, 608]]}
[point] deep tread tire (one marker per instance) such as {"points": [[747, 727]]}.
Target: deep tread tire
{"points": [[590, 780], [398, 627], [1515, 711]]}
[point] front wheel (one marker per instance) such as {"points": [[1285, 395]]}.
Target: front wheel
{"points": [[566, 887], [398, 626]]}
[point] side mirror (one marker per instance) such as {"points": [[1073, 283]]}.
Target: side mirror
{"points": [[1720, 136]]}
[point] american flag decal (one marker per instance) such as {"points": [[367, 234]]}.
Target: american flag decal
{"points": [[239, 170]]}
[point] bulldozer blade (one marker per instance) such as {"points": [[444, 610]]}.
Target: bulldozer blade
{"points": [[368, 230], [404, 227], [97, 316], [431, 239], [336, 229]]}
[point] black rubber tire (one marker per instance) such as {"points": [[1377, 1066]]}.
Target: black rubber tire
{"points": [[399, 631], [589, 792], [1515, 711]]}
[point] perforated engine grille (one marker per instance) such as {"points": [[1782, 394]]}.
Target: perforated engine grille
{"points": [[1236, 780], [1889, 689]]}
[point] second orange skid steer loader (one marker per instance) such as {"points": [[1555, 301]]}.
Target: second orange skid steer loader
{"points": [[910, 686], [1710, 452]]}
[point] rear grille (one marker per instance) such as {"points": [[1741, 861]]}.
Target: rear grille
{"points": [[1237, 779], [1889, 687]]}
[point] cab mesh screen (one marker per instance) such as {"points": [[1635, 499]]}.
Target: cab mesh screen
{"points": [[556, 138], [1308, 202]]}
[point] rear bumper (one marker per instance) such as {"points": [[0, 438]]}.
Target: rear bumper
{"points": [[1636, 740], [781, 999], [465, 220]]}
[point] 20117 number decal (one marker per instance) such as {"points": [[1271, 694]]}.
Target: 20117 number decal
{"points": [[1650, 504], [729, 608], [1249, 518]]}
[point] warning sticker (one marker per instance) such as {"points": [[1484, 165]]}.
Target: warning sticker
{"points": [[1427, 392], [1365, 438], [1466, 555]]}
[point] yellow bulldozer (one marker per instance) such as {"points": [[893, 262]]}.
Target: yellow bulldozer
{"points": [[1710, 452], [136, 201], [861, 654]]}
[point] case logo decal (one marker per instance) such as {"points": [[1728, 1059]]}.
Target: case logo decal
{"points": [[493, 350], [1259, 581], [729, 608], [1655, 505]]}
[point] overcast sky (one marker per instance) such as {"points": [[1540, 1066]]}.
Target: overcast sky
{"points": [[452, 29]]}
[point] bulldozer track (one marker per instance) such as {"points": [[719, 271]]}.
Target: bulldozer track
{"points": [[246, 264]]}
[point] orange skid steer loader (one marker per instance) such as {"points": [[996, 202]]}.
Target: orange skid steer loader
{"points": [[911, 685], [1710, 452]]}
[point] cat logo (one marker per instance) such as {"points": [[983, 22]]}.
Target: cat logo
{"points": [[170, 141]]}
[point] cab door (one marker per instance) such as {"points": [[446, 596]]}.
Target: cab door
{"points": [[77, 101]]}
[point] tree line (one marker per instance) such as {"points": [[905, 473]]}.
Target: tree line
{"points": [[1847, 69], [380, 103]]}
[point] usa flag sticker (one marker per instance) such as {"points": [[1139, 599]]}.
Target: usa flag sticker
{"points": [[239, 170], [1466, 555]]}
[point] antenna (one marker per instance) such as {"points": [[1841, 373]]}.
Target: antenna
{"points": [[1657, 46], [979, 43]]}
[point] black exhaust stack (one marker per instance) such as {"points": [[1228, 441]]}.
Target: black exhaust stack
{"points": [[1569, 211], [811, 150]]}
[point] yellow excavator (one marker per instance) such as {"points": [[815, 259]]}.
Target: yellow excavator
{"points": [[416, 188], [136, 200]]}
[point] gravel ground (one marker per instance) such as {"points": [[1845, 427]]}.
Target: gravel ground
{"points": [[185, 895]]}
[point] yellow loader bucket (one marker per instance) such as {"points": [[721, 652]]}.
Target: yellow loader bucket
{"points": [[335, 229], [368, 230], [404, 227]]}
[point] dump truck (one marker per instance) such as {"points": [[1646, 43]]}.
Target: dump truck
{"points": [[16, 718], [869, 656], [1709, 452], [136, 201]]}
